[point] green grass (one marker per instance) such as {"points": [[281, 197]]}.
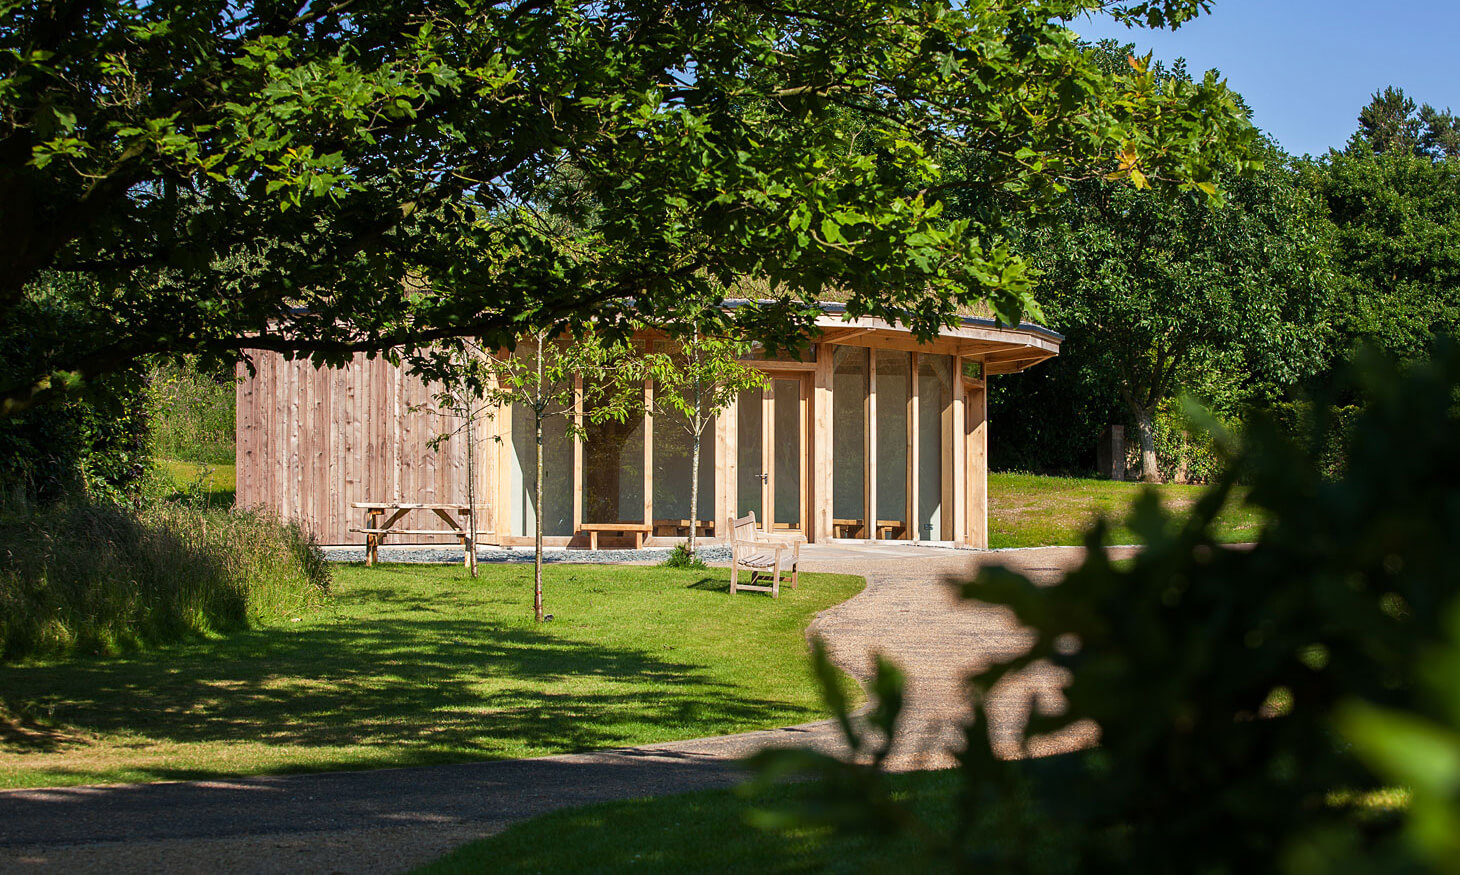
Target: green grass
{"points": [[1029, 510], [192, 413], [89, 578], [210, 485], [698, 832], [413, 665]]}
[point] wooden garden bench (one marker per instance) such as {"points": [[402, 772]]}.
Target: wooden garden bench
{"points": [[764, 556], [637, 531]]}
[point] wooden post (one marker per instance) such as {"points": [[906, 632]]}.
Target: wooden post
{"points": [[649, 455], [957, 466], [871, 485], [914, 531], [725, 468], [821, 445], [947, 443], [978, 467]]}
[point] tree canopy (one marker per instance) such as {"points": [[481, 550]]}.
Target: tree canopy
{"points": [[321, 177], [1394, 195], [1168, 294]]}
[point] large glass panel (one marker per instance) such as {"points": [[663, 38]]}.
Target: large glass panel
{"points": [[749, 433], [557, 473], [849, 442], [787, 400], [613, 469], [673, 457], [894, 392], [935, 394]]}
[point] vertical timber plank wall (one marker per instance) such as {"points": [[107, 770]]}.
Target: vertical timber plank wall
{"points": [[312, 441]]}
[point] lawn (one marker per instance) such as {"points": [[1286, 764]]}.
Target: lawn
{"points": [[1031, 510], [411, 665]]}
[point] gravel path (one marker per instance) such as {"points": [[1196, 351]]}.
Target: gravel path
{"points": [[390, 820]]}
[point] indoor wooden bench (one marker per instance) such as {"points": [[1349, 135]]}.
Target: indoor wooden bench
{"points": [[637, 531], [378, 525], [887, 530], [680, 528]]}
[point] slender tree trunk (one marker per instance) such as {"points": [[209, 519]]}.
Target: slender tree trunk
{"points": [[471, 487], [694, 491], [539, 410], [694, 467]]}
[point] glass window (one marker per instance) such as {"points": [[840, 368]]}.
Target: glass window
{"points": [[849, 442], [935, 397], [613, 469], [894, 395], [557, 474], [673, 457]]}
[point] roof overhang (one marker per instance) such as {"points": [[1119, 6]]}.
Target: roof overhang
{"points": [[1002, 349]]}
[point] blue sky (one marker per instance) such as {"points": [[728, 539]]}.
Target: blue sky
{"points": [[1306, 67]]}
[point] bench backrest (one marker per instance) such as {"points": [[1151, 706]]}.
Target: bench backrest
{"points": [[744, 528]]}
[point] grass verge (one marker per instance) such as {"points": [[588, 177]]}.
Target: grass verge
{"points": [[412, 665], [708, 831], [1031, 510], [91, 578]]}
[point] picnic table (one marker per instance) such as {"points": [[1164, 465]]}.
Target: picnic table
{"points": [[381, 517]]}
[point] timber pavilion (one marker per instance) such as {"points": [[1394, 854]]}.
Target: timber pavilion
{"points": [[870, 435]]}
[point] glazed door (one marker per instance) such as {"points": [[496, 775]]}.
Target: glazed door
{"points": [[772, 471]]}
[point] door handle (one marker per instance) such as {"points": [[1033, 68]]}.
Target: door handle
{"points": [[764, 478]]}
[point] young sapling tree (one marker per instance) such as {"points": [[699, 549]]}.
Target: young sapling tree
{"points": [[694, 382]]}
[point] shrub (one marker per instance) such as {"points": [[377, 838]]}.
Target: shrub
{"points": [[80, 437], [681, 557], [1247, 700], [84, 577]]}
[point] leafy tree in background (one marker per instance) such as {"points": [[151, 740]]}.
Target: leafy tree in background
{"points": [[321, 178], [1173, 293], [1392, 124], [1396, 204]]}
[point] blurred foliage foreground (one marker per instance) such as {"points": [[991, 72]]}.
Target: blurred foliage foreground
{"points": [[1252, 703]]}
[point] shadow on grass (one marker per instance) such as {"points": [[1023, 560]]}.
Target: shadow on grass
{"points": [[416, 685]]}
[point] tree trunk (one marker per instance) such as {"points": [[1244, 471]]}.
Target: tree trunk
{"points": [[694, 492], [471, 489], [538, 412], [694, 469], [1146, 429]]}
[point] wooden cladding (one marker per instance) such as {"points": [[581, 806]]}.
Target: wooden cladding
{"points": [[313, 441]]}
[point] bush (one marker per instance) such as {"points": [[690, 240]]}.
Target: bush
{"points": [[80, 437], [681, 557], [84, 577]]}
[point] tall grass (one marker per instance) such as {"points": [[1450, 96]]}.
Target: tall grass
{"points": [[81, 577], [192, 414]]}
